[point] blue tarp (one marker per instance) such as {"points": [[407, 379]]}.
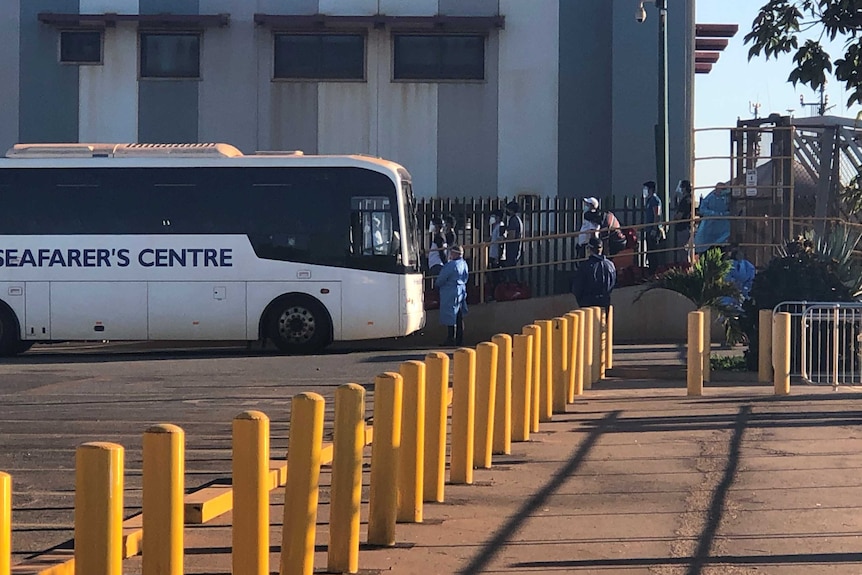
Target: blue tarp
{"points": [[713, 231]]}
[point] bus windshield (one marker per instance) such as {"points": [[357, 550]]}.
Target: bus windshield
{"points": [[411, 243]]}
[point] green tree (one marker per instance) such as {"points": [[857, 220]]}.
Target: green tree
{"points": [[780, 23]]}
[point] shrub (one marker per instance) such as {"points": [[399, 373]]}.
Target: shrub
{"points": [[807, 270]]}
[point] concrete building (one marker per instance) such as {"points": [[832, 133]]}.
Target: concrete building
{"points": [[474, 97]]}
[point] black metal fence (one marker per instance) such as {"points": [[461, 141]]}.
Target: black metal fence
{"points": [[547, 262]]}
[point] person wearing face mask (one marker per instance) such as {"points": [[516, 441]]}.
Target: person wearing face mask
{"points": [[437, 249], [589, 226], [514, 230], [683, 212], [452, 283], [495, 250], [653, 231]]}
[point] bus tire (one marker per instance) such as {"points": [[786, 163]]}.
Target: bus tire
{"points": [[10, 344], [299, 324]]}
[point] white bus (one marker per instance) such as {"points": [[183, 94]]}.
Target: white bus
{"points": [[201, 242]]}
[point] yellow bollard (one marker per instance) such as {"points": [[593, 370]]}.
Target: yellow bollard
{"points": [[99, 508], [764, 352], [560, 359], [503, 396], [5, 524], [535, 333], [580, 360], [522, 372], [486, 391], [348, 444], [781, 353], [694, 376], [463, 412], [572, 355], [437, 408], [589, 328], [385, 449], [609, 337], [250, 526], [598, 343], [303, 482], [707, 342], [411, 459], [162, 509], [546, 388]]}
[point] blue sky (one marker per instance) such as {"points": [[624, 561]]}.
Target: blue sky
{"points": [[727, 92]]}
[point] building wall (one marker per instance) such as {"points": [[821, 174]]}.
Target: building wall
{"points": [[567, 106], [10, 38], [634, 73], [585, 99], [108, 94]]}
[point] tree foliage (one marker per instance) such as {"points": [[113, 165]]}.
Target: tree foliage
{"points": [[779, 25]]}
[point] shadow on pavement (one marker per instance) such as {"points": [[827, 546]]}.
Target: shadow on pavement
{"points": [[493, 546]]}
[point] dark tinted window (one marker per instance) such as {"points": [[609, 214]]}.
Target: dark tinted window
{"points": [[297, 214], [320, 56], [81, 47], [170, 55], [439, 57]]}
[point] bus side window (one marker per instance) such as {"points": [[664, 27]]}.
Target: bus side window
{"points": [[371, 220]]}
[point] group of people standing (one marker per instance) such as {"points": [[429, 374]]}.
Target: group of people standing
{"points": [[446, 261]]}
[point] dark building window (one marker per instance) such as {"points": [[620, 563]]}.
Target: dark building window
{"points": [[81, 47], [320, 56], [439, 57], [170, 55]]}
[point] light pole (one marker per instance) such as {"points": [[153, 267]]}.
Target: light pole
{"points": [[661, 128]]}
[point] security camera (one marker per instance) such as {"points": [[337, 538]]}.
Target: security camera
{"points": [[640, 13]]}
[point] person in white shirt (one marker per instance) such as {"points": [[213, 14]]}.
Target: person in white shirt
{"points": [[437, 249], [592, 221]]}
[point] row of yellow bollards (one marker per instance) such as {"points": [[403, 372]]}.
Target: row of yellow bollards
{"points": [[501, 391]]}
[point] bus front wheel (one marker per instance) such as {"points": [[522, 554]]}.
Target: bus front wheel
{"points": [[299, 325]]}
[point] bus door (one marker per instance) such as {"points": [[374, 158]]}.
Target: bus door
{"points": [[204, 310], [37, 311]]}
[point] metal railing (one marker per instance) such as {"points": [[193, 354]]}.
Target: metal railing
{"points": [[831, 344], [796, 309]]}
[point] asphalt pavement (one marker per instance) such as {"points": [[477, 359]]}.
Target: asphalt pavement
{"points": [[635, 477]]}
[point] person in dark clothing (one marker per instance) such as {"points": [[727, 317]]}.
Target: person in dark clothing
{"points": [[654, 234], [682, 229], [595, 278], [514, 229]]}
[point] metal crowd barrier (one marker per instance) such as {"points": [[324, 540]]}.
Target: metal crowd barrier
{"points": [[831, 344], [796, 309]]}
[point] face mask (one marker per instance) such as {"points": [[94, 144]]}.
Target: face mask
{"points": [[432, 228], [493, 221], [646, 192]]}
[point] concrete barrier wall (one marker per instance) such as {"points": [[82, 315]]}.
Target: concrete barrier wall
{"points": [[658, 317]]}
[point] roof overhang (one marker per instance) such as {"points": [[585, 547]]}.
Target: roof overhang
{"points": [[111, 19], [419, 23], [709, 41]]}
